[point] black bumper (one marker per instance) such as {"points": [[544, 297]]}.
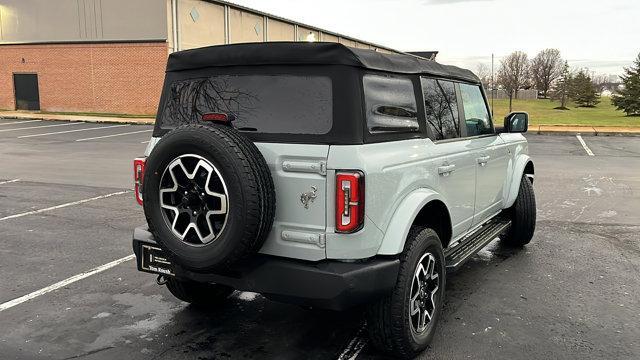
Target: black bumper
{"points": [[334, 285]]}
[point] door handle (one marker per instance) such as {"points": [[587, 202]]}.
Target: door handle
{"points": [[482, 160], [445, 170]]}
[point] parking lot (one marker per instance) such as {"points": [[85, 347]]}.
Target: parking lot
{"points": [[67, 212]]}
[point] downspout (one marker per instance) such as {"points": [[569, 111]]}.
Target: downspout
{"points": [[174, 25]]}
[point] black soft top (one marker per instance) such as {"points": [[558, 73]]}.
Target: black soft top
{"points": [[316, 53]]}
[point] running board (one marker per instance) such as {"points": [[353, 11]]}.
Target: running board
{"points": [[458, 255]]}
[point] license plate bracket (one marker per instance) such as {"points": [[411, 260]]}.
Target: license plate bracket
{"points": [[155, 261]]}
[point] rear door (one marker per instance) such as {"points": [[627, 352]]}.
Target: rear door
{"points": [[453, 156], [281, 108]]}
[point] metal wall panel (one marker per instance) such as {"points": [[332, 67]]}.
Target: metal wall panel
{"points": [[347, 42], [200, 24], [329, 38], [245, 27], [280, 31], [306, 34], [25, 21]]}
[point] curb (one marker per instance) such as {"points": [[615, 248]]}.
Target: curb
{"points": [[89, 119], [588, 133], [584, 130]]}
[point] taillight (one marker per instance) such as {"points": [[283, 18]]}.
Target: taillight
{"points": [[219, 117], [349, 201], [138, 177]]}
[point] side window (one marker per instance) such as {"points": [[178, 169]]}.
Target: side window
{"points": [[441, 108], [390, 104], [476, 114]]}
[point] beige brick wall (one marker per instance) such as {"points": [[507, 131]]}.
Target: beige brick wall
{"points": [[102, 78]]}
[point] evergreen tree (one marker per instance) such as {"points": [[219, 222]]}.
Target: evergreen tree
{"points": [[560, 91], [582, 90], [628, 99]]}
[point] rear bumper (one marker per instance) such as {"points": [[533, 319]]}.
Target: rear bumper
{"points": [[328, 284]]}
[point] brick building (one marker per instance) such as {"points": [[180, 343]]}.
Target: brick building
{"points": [[109, 56]]}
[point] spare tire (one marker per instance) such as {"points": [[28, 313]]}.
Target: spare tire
{"points": [[208, 196]]}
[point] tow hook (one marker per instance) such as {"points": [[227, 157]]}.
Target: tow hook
{"points": [[161, 280]]}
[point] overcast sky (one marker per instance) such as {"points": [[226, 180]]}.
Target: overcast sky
{"points": [[603, 35]]}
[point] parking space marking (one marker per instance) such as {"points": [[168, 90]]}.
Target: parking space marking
{"points": [[584, 145], [70, 131], [355, 346], [19, 122], [112, 135], [63, 283], [63, 205], [9, 181], [43, 126]]}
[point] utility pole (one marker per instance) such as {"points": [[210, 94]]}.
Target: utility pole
{"points": [[493, 85]]}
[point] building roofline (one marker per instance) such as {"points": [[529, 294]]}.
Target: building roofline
{"points": [[294, 22]]}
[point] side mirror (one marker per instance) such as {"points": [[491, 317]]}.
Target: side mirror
{"points": [[516, 122]]}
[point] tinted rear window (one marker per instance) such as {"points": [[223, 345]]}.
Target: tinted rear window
{"points": [[390, 103], [285, 104]]}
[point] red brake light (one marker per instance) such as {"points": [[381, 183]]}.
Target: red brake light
{"points": [[138, 177], [218, 117], [349, 201]]}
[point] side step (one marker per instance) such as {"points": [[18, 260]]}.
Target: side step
{"points": [[473, 243]]}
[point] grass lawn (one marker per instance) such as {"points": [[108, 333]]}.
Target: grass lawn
{"points": [[541, 112]]}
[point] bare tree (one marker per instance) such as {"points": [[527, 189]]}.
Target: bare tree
{"points": [[513, 74], [546, 68], [484, 73], [600, 81]]}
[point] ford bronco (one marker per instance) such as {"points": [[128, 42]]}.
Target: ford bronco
{"points": [[327, 176]]}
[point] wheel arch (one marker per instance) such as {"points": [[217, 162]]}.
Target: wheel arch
{"points": [[523, 166], [421, 207]]}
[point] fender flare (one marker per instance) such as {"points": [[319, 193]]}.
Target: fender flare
{"points": [[516, 176], [402, 219]]}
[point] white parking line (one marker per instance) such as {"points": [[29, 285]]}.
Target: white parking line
{"points": [[63, 283], [44, 126], [112, 135], [584, 145], [9, 181], [19, 122], [62, 205], [70, 131], [355, 346]]}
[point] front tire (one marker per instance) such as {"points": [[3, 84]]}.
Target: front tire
{"points": [[199, 294], [403, 323], [522, 215]]}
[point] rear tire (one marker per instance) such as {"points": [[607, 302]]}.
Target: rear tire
{"points": [[200, 294], [392, 327], [522, 215]]}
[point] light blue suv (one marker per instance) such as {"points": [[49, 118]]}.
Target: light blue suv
{"points": [[328, 176]]}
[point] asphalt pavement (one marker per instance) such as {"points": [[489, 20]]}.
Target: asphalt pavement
{"points": [[69, 288]]}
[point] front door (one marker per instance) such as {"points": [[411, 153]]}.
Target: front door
{"points": [[26, 91], [490, 152]]}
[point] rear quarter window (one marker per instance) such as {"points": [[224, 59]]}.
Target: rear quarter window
{"points": [[283, 104], [390, 104]]}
